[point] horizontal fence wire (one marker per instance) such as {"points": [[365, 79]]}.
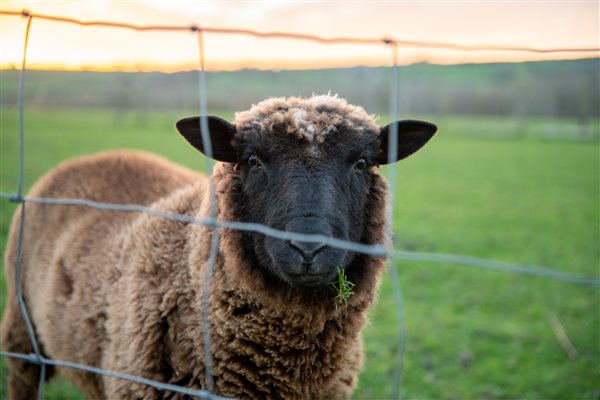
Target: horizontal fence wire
{"points": [[373, 250], [34, 359], [306, 37], [212, 221]]}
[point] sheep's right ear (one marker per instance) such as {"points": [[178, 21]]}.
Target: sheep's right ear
{"points": [[411, 136], [220, 132]]}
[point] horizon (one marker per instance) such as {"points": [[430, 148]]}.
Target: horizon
{"points": [[195, 70]]}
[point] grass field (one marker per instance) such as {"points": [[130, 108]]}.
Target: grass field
{"points": [[472, 334]]}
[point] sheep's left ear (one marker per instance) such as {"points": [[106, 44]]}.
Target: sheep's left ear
{"points": [[220, 132], [411, 134]]}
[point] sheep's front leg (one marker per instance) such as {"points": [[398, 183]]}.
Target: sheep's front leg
{"points": [[137, 354], [136, 341]]}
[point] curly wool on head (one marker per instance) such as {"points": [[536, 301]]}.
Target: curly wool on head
{"points": [[310, 119]]}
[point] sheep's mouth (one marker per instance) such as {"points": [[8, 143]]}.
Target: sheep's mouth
{"points": [[310, 280]]}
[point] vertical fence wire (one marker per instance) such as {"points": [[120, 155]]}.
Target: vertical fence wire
{"points": [[399, 301], [215, 235], [21, 235], [21, 95], [392, 155]]}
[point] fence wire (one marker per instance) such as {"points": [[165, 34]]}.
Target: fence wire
{"points": [[212, 221], [306, 37], [17, 283], [392, 155], [43, 361], [373, 250], [215, 236]]}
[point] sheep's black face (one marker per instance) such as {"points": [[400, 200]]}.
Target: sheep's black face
{"points": [[296, 178], [294, 185]]}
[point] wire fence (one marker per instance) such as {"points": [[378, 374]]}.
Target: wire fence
{"points": [[211, 221]]}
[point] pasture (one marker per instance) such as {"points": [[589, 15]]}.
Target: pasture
{"points": [[485, 187]]}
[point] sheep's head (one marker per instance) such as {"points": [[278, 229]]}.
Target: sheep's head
{"points": [[307, 166]]}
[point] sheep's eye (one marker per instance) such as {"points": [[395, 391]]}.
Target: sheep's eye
{"points": [[254, 161], [360, 165]]}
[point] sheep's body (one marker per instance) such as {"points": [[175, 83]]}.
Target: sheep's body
{"points": [[100, 275], [123, 291], [71, 254]]}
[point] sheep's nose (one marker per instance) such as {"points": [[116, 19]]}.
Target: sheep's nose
{"points": [[308, 249]]}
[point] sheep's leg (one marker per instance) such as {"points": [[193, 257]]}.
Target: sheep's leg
{"points": [[23, 376]]}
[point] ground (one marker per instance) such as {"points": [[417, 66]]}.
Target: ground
{"points": [[492, 187]]}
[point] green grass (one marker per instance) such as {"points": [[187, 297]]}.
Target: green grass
{"points": [[343, 288], [472, 334]]}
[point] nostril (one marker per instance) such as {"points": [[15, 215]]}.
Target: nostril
{"points": [[308, 249]]}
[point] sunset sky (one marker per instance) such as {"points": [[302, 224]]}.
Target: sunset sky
{"points": [[541, 24]]}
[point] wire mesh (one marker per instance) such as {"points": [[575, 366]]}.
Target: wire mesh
{"points": [[212, 221]]}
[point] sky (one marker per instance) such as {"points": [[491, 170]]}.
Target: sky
{"points": [[54, 45]]}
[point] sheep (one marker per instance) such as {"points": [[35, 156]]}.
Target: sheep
{"points": [[123, 291]]}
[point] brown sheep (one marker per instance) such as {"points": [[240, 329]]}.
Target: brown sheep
{"points": [[123, 291]]}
